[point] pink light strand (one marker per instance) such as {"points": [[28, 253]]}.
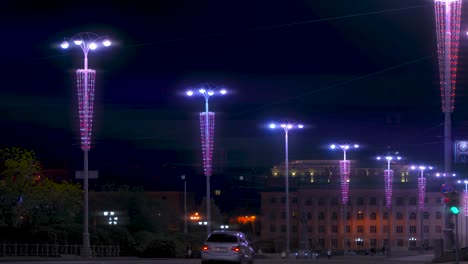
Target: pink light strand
{"points": [[421, 191], [465, 202], [442, 18], [85, 105], [388, 178], [207, 147], [344, 174]]}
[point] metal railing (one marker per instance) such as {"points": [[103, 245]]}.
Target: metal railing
{"points": [[55, 250]]}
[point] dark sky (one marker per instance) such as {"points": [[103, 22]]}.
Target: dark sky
{"points": [[362, 71]]}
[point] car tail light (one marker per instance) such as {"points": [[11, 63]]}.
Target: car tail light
{"points": [[236, 249], [205, 248]]}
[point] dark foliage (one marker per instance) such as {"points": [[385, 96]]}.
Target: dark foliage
{"points": [[160, 249]]}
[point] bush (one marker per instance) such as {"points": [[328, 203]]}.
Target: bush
{"points": [[160, 249]]}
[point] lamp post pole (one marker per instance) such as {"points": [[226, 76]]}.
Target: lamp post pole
{"points": [[207, 129], [464, 198], [388, 178], [86, 83], [345, 166], [421, 196], [286, 127], [185, 205]]}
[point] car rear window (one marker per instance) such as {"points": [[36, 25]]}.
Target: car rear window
{"points": [[222, 238]]}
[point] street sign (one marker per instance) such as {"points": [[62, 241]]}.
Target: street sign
{"points": [[91, 174], [447, 189]]}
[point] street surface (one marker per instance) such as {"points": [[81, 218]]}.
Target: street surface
{"points": [[130, 260]]}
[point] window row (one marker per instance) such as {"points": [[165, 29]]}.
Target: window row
{"points": [[360, 201], [359, 215], [359, 229]]}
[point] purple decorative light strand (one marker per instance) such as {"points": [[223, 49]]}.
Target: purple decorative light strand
{"points": [[86, 105], [421, 192], [344, 174], [447, 13], [465, 202], [388, 178], [207, 147]]}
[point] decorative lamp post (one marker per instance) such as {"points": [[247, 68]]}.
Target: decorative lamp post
{"points": [[286, 127], [465, 197], [388, 178], [421, 194], [447, 18], [207, 123], [185, 205], [85, 84], [345, 169], [465, 206]]}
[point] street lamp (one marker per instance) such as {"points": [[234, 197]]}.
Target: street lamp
{"points": [[86, 79], [465, 197], [388, 178], [286, 127], [185, 205], [421, 194], [207, 122], [345, 167], [465, 206]]}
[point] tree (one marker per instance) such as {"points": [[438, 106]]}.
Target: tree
{"points": [[27, 199], [216, 217], [19, 173]]}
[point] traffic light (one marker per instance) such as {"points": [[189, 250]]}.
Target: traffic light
{"points": [[454, 203]]}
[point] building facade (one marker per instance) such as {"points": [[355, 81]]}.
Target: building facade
{"points": [[317, 219]]}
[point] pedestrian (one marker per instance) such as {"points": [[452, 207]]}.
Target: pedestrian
{"points": [[329, 253], [189, 252]]}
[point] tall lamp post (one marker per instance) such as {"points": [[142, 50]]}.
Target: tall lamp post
{"points": [[388, 178], [286, 127], [207, 122], [447, 18], [345, 169], [465, 208], [421, 194], [85, 84], [185, 205]]}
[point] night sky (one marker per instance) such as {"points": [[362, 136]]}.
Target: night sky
{"points": [[359, 71]]}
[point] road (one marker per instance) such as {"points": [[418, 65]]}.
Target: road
{"points": [[123, 260]]}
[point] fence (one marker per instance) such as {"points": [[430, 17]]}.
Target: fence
{"points": [[55, 250]]}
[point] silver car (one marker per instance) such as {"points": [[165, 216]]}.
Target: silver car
{"points": [[227, 246]]}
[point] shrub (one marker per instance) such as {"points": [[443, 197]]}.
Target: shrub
{"points": [[160, 249]]}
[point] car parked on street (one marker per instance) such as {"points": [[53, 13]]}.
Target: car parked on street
{"points": [[227, 246]]}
